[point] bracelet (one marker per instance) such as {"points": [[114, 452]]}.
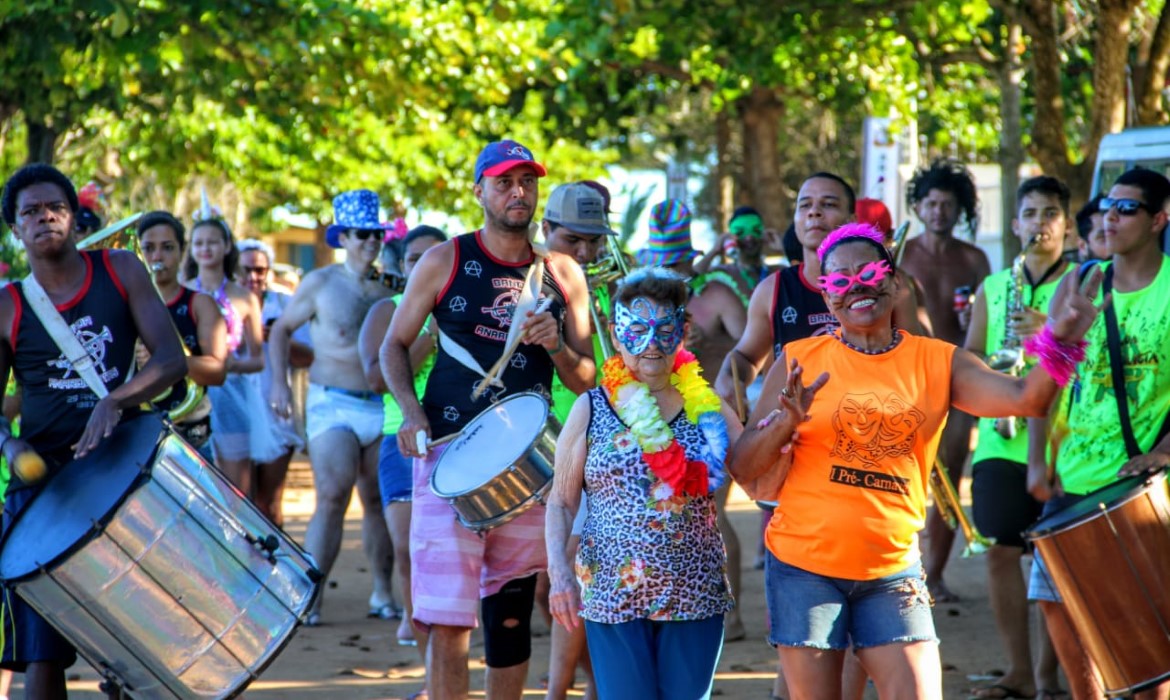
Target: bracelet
{"points": [[560, 346], [1058, 358]]}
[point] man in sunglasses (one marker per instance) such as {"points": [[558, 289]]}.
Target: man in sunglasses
{"points": [[343, 417], [1095, 451]]}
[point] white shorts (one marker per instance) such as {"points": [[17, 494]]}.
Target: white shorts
{"points": [[329, 407]]}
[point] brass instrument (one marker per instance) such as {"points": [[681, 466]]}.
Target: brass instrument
{"points": [[1009, 358], [599, 275], [946, 499], [898, 246], [120, 236], [394, 282]]}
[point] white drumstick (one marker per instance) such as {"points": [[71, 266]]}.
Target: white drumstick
{"points": [[420, 442]]}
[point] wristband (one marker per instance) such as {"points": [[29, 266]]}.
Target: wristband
{"points": [[1057, 358], [560, 346]]}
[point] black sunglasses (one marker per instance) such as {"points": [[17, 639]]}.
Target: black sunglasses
{"points": [[364, 234], [1125, 207]]}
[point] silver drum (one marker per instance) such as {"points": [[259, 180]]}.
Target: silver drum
{"points": [[500, 464], [164, 577]]}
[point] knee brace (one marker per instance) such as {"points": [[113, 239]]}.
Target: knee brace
{"points": [[507, 623]]}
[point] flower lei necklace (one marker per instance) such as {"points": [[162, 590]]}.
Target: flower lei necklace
{"points": [[660, 450]]}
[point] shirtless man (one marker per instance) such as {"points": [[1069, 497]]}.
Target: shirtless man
{"points": [[944, 265], [717, 317], [343, 416], [472, 284]]}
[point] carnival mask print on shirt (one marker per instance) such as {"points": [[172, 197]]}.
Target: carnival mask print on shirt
{"points": [[644, 321]]}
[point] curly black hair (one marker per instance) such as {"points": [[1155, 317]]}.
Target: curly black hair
{"points": [[34, 174], [949, 176]]}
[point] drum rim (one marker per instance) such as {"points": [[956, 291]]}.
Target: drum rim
{"points": [[1148, 480], [99, 524], [523, 455]]}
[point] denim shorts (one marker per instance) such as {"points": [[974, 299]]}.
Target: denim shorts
{"points": [[394, 472], [819, 612]]}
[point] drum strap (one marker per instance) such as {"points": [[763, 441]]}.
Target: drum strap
{"points": [[527, 301], [1117, 368], [64, 337]]}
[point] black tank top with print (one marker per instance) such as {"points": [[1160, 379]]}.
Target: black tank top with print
{"points": [[56, 402], [475, 310], [798, 310], [182, 310]]}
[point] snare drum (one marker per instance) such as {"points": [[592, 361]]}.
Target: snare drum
{"points": [[1108, 555], [501, 463], [148, 561]]}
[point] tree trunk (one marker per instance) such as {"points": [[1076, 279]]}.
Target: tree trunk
{"points": [[42, 141], [724, 185], [761, 144], [1011, 143], [1049, 142], [1150, 103]]}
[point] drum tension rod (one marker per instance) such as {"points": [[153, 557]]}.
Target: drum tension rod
{"points": [[268, 543]]}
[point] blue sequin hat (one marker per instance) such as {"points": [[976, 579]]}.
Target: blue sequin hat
{"points": [[356, 209]]}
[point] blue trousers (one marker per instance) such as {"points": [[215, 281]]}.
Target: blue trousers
{"points": [[643, 659]]}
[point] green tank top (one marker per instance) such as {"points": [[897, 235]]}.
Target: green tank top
{"points": [[391, 413], [995, 291], [562, 398], [1094, 450]]}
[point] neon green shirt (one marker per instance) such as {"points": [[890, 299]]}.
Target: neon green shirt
{"points": [[562, 397], [1094, 449], [995, 291], [391, 413]]}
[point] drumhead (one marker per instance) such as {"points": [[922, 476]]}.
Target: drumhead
{"points": [[1110, 496], [83, 492], [496, 438]]}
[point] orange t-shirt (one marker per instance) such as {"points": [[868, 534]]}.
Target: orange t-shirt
{"points": [[855, 496]]}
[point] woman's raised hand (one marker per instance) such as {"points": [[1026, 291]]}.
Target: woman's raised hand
{"points": [[795, 399]]}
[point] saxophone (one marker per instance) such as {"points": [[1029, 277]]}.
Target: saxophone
{"points": [[1009, 358]]}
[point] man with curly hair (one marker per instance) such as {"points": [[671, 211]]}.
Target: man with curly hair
{"points": [[949, 270]]}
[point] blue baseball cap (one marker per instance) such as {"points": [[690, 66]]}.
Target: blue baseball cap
{"points": [[499, 157]]}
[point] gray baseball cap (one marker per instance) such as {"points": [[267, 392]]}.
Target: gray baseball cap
{"points": [[579, 208]]}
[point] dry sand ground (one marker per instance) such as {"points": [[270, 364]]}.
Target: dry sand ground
{"points": [[351, 656]]}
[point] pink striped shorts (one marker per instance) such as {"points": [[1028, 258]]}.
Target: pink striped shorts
{"points": [[452, 568]]}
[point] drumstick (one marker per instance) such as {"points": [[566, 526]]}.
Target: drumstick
{"points": [[736, 387], [424, 445], [497, 368]]}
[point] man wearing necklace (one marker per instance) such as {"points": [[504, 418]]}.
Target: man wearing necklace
{"points": [[1010, 307], [848, 457], [472, 285], [343, 417], [1094, 452], [648, 448]]}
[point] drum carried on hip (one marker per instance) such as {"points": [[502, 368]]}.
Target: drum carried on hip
{"points": [[500, 464], [1109, 558], [161, 574]]}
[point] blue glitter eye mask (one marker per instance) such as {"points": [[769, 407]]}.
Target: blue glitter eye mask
{"points": [[644, 321]]}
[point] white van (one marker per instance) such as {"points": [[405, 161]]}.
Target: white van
{"points": [[1148, 147]]}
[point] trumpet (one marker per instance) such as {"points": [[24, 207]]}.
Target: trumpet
{"points": [[598, 276], [946, 499]]}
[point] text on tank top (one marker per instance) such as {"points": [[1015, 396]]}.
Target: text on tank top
{"points": [[56, 401], [182, 310], [798, 310], [475, 310]]}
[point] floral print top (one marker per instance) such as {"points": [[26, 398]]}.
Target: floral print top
{"points": [[646, 552]]}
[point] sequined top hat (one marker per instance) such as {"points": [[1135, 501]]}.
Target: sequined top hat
{"points": [[670, 235], [356, 209]]}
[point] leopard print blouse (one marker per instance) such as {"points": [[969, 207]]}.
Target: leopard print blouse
{"points": [[646, 552]]}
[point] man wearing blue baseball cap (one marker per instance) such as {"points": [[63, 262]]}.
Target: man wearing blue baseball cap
{"points": [[483, 290], [343, 417]]}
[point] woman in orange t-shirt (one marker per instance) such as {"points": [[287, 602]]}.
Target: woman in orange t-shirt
{"points": [[848, 457]]}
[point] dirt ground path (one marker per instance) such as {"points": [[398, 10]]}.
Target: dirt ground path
{"points": [[351, 656]]}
